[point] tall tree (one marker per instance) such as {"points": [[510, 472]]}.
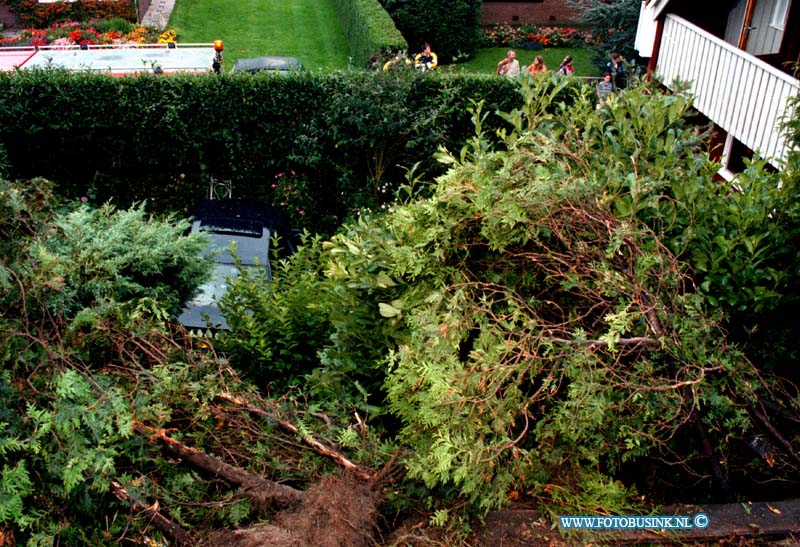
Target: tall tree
{"points": [[613, 23]]}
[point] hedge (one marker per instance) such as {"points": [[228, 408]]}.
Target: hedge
{"points": [[368, 29], [324, 144], [451, 28]]}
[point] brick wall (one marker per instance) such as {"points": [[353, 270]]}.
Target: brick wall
{"points": [[545, 12]]}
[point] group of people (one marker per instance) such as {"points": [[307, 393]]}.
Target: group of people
{"points": [[614, 77], [423, 61], [509, 65]]}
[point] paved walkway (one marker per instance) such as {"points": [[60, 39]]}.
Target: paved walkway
{"points": [[158, 14]]}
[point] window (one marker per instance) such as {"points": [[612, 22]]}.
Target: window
{"points": [[779, 11]]}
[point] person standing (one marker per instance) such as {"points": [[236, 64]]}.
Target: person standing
{"points": [[538, 66], [604, 89], [566, 68], [509, 66], [616, 68]]}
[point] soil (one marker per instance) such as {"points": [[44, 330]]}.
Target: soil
{"points": [[344, 512], [731, 525], [335, 512]]}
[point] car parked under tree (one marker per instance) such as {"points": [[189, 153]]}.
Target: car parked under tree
{"points": [[240, 234]]}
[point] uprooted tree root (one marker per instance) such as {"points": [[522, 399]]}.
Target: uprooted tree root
{"points": [[335, 512], [332, 512]]}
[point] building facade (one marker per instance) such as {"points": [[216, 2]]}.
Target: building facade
{"points": [[738, 59], [541, 12]]}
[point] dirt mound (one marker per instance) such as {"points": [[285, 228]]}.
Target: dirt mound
{"points": [[335, 512]]}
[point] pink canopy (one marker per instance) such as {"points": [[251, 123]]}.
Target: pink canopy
{"points": [[12, 57]]}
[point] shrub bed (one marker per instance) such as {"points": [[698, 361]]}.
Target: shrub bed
{"points": [[37, 15], [163, 139], [108, 32], [535, 37]]}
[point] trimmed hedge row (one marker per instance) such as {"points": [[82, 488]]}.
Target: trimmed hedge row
{"points": [[323, 144], [368, 29], [451, 28]]}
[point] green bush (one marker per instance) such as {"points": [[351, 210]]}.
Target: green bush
{"points": [[123, 26], [101, 255], [535, 321], [278, 319], [160, 140], [368, 29], [452, 29]]}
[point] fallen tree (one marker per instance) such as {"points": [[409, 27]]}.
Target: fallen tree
{"points": [[531, 330]]}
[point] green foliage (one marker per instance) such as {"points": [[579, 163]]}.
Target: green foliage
{"points": [[159, 140], [101, 255], [368, 29], [453, 31], [123, 26], [277, 319], [4, 163], [87, 365], [613, 24], [39, 15], [539, 329]]}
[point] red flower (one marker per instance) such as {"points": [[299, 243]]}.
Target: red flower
{"points": [[76, 35]]}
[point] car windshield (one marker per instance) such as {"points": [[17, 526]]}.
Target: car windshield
{"points": [[251, 248]]}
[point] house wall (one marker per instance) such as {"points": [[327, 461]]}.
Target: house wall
{"points": [[764, 39], [543, 12], [735, 20]]}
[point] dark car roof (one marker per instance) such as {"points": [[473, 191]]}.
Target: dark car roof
{"points": [[267, 63], [239, 215]]}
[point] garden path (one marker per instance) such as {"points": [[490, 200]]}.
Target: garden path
{"points": [[158, 14]]}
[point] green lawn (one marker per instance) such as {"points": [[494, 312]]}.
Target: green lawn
{"points": [[485, 61], [309, 30], [306, 29]]}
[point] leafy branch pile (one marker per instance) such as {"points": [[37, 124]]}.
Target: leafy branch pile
{"points": [[114, 429], [549, 322]]}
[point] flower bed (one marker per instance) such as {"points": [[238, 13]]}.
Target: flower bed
{"points": [[36, 15], [527, 37], [114, 32]]}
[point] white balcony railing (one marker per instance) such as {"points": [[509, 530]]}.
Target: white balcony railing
{"points": [[740, 93]]}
